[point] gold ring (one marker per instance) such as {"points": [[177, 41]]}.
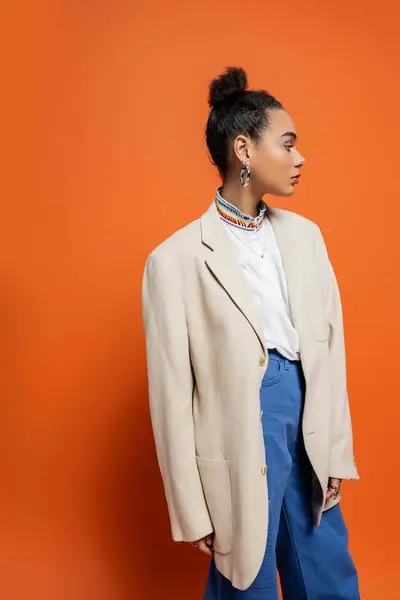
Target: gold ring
{"points": [[335, 490]]}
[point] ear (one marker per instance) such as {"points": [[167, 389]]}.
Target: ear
{"points": [[241, 148]]}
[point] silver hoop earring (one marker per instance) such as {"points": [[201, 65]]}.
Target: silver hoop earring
{"points": [[245, 175]]}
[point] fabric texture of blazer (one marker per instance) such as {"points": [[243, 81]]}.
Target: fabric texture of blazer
{"points": [[206, 359]]}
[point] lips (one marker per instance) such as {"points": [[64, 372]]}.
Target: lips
{"points": [[295, 179]]}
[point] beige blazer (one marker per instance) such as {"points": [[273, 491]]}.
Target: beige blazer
{"points": [[206, 360]]}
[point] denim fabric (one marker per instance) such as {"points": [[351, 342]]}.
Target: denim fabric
{"points": [[313, 562]]}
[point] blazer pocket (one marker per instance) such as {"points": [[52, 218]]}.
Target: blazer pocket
{"points": [[316, 316], [214, 475]]}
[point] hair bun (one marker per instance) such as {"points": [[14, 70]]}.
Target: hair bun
{"points": [[228, 85]]}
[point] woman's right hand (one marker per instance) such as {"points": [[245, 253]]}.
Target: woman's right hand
{"points": [[205, 544]]}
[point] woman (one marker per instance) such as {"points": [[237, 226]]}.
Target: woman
{"points": [[246, 366]]}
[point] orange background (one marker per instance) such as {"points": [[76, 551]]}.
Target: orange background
{"points": [[104, 108]]}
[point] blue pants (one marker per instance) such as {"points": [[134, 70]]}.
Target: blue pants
{"points": [[313, 562]]}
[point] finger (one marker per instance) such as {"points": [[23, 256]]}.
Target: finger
{"points": [[204, 548], [333, 482]]}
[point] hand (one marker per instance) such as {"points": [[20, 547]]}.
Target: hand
{"points": [[205, 544], [332, 491]]}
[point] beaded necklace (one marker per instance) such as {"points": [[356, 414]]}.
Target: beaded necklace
{"points": [[230, 213]]}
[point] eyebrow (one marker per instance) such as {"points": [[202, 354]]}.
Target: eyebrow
{"points": [[291, 134]]}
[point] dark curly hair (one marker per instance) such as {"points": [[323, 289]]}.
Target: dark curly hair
{"points": [[235, 110]]}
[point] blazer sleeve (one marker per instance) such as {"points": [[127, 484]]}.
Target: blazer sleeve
{"points": [[171, 382], [342, 461]]}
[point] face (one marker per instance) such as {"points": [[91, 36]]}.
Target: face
{"points": [[275, 162]]}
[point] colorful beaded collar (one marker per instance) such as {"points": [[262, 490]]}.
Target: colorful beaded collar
{"points": [[231, 214]]}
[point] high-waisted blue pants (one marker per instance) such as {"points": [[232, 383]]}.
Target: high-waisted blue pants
{"points": [[313, 562]]}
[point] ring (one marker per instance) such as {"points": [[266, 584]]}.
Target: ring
{"points": [[336, 490]]}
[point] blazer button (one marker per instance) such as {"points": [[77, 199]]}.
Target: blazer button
{"points": [[264, 469], [263, 361], [261, 414], [354, 462]]}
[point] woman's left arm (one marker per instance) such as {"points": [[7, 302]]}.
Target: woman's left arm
{"points": [[342, 462]]}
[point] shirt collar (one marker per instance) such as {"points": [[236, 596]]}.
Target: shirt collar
{"points": [[232, 215]]}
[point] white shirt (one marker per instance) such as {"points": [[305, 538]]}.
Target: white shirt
{"points": [[259, 255]]}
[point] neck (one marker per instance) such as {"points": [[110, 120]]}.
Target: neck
{"points": [[243, 198]]}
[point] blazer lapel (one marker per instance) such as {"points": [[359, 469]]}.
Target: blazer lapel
{"points": [[290, 249], [223, 263]]}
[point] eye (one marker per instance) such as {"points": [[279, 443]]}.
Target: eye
{"points": [[287, 145]]}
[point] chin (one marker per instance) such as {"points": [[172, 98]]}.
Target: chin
{"points": [[285, 193], [291, 191]]}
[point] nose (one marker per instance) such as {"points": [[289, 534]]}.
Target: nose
{"points": [[300, 161]]}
